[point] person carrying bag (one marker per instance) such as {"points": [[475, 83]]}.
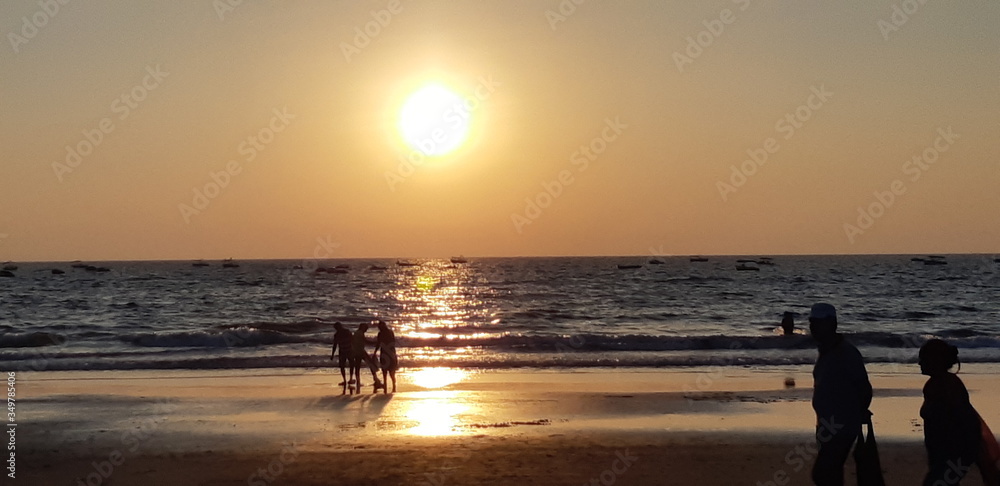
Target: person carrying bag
{"points": [[866, 458]]}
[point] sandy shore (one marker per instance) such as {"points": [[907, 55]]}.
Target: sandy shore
{"points": [[259, 427]]}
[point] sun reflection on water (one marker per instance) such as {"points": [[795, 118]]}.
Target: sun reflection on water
{"points": [[440, 300], [438, 377]]}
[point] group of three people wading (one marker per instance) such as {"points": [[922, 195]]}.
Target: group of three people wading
{"points": [[842, 395], [352, 355]]}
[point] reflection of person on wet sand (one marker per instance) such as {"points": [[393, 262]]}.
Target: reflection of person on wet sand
{"points": [[952, 430], [342, 340], [385, 347], [359, 355]]}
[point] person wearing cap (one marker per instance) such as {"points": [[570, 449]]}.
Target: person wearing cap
{"points": [[841, 396]]}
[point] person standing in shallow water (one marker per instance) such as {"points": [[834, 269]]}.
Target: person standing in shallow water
{"points": [[952, 429], [841, 396], [385, 346], [342, 341], [788, 324], [359, 355]]}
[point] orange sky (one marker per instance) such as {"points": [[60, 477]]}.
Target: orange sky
{"points": [[304, 111]]}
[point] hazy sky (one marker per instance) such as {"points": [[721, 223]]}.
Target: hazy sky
{"points": [[115, 114]]}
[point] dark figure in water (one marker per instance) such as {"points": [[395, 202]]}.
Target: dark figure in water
{"points": [[841, 396], [342, 341], [788, 323], [952, 430], [385, 346], [359, 356]]}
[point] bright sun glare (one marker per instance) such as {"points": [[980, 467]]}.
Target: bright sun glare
{"points": [[434, 120]]}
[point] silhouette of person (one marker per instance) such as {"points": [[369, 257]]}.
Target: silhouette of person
{"points": [[841, 396], [385, 345], [359, 355], [952, 430], [342, 341], [788, 323]]}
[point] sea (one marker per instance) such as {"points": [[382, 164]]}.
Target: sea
{"points": [[492, 313]]}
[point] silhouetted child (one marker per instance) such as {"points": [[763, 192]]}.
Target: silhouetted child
{"points": [[952, 429]]}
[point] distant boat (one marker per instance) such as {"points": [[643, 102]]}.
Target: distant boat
{"points": [[199, 264], [747, 265], [333, 270], [996, 260], [229, 263], [656, 261], [935, 260], [918, 259], [343, 267], [79, 265], [91, 268], [697, 258], [56, 271], [629, 267], [765, 261], [7, 274], [404, 263], [459, 260], [377, 268], [10, 268]]}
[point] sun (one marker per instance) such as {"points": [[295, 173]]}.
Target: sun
{"points": [[434, 120]]}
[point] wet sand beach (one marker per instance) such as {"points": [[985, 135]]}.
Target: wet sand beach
{"points": [[724, 426]]}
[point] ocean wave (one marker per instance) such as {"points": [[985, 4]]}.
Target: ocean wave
{"points": [[239, 337], [318, 333], [497, 361], [30, 339]]}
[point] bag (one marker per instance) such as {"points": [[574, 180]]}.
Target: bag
{"points": [[866, 459], [989, 456]]}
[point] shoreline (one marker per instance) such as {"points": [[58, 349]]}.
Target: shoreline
{"points": [[713, 426]]}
